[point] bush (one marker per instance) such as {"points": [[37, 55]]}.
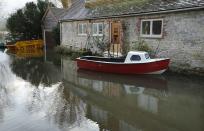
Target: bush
{"points": [[63, 50], [125, 47], [141, 45], [73, 54]]}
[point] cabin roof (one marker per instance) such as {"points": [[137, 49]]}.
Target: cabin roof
{"points": [[78, 10], [137, 52]]}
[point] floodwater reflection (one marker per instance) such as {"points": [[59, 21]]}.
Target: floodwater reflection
{"points": [[31, 53], [28, 102], [39, 95], [119, 102]]}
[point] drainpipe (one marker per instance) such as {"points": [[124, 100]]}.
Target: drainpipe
{"points": [[45, 50], [109, 48], [60, 32], [44, 40]]}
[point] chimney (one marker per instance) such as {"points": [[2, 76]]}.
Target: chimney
{"points": [[69, 3]]}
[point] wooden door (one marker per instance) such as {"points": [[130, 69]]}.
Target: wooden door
{"points": [[49, 39], [116, 37]]}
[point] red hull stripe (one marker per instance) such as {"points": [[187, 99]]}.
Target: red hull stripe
{"points": [[123, 68]]}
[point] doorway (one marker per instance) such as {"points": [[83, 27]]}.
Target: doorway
{"points": [[115, 38]]}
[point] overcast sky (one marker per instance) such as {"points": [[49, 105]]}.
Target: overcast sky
{"points": [[11, 5]]}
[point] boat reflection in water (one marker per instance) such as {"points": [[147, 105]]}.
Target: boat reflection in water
{"points": [[135, 103], [118, 85], [125, 88], [117, 102]]}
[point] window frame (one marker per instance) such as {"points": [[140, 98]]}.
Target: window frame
{"points": [[147, 56], [97, 29], [138, 56], [151, 35], [84, 31]]}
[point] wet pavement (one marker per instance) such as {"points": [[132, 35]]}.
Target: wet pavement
{"points": [[44, 92]]}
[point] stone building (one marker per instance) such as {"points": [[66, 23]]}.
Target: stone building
{"points": [[171, 28], [49, 22]]}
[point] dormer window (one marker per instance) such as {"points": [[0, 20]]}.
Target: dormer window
{"points": [[152, 28]]}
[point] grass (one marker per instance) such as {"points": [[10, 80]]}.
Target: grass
{"points": [[73, 54]]}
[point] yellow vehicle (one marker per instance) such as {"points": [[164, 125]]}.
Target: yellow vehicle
{"points": [[32, 44], [26, 45]]}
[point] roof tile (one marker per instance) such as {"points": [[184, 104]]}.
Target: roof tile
{"points": [[79, 11]]}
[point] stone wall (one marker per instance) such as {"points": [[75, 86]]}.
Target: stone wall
{"points": [[71, 39], [182, 40]]}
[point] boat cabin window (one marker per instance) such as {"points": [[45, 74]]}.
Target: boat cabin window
{"points": [[135, 58], [147, 56]]}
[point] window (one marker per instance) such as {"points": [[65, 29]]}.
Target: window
{"points": [[135, 58], [147, 56], [82, 28], [152, 28], [97, 29]]}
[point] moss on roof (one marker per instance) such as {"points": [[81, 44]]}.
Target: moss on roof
{"points": [[123, 7]]}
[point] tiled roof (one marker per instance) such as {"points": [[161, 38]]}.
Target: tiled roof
{"points": [[128, 7], [58, 12], [77, 10]]}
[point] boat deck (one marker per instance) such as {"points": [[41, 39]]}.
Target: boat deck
{"points": [[104, 59]]}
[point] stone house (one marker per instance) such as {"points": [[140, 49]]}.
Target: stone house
{"points": [[171, 28], [49, 22]]}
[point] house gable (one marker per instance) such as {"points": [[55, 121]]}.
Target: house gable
{"points": [[50, 21], [51, 17]]}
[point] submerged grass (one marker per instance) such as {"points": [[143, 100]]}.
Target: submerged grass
{"points": [[73, 54]]}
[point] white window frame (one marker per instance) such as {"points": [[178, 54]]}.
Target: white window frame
{"points": [[151, 27], [84, 30], [97, 34]]}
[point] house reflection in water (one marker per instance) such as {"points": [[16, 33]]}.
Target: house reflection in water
{"points": [[54, 95], [148, 103], [136, 103]]}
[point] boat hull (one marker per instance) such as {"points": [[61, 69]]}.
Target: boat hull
{"points": [[156, 67]]}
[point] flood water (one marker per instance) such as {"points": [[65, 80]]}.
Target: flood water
{"points": [[41, 92]]}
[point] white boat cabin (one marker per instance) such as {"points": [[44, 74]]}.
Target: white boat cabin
{"points": [[137, 57], [140, 57]]}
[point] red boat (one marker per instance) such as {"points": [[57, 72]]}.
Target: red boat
{"points": [[136, 62]]}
